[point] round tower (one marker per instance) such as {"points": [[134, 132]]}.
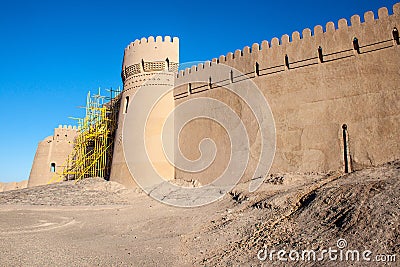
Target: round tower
{"points": [[143, 59], [52, 154]]}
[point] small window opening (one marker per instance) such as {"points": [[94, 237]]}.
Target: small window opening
{"points": [[345, 149], [287, 61], [190, 88], [320, 54], [257, 69], [231, 76], [395, 33], [167, 60], [126, 104], [142, 64], [209, 83], [356, 45], [52, 167]]}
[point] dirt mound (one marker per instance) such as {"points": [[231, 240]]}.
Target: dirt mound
{"points": [[49, 225], [361, 210], [87, 192]]}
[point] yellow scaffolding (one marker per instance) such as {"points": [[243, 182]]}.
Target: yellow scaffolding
{"points": [[92, 152]]}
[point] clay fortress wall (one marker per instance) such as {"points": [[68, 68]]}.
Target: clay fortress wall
{"points": [[333, 91], [51, 154], [317, 83]]}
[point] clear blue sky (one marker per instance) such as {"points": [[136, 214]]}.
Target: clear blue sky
{"points": [[53, 52]]}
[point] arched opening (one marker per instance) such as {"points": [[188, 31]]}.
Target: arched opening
{"points": [[52, 167], [356, 45], [126, 105], [395, 34]]}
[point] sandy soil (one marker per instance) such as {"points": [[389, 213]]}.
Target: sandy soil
{"points": [[99, 223]]}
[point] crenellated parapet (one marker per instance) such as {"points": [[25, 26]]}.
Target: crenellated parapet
{"points": [[333, 42], [65, 133], [51, 154], [150, 55], [333, 91]]}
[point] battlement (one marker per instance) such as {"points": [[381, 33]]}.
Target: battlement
{"points": [[331, 42], [333, 92], [151, 40], [69, 127], [65, 132], [151, 50], [150, 55]]}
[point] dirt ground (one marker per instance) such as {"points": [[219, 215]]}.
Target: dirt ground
{"points": [[100, 223]]}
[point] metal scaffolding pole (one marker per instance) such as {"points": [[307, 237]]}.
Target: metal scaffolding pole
{"points": [[92, 152]]}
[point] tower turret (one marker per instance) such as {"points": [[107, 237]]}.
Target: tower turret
{"points": [[143, 59]]}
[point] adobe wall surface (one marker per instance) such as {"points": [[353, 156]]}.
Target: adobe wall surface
{"points": [[143, 59], [13, 185], [311, 98], [53, 149]]}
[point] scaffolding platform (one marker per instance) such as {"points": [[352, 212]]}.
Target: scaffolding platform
{"points": [[92, 152]]}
